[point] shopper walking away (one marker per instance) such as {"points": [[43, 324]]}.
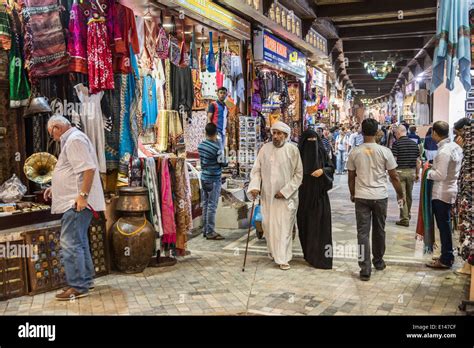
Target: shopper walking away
{"points": [[367, 165], [212, 160], [217, 113], [314, 211], [278, 171], [76, 189], [444, 173], [430, 146], [407, 155]]}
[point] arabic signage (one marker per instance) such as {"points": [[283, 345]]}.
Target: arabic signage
{"points": [[319, 78], [271, 50], [217, 14]]}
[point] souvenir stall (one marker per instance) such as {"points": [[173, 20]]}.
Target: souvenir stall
{"points": [[316, 100], [131, 80], [422, 106], [409, 104], [278, 86]]}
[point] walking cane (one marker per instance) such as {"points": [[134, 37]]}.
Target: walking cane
{"points": [[248, 235]]}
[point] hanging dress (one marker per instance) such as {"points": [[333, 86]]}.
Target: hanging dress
{"points": [[99, 55], [19, 87], [92, 121]]}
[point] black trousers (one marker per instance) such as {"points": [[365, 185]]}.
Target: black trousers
{"points": [[370, 212]]}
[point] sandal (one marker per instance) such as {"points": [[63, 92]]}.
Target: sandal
{"points": [[437, 265], [285, 267], [216, 237]]}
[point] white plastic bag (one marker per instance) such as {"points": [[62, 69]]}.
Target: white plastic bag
{"points": [[12, 190]]}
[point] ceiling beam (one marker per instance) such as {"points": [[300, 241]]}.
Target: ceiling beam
{"points": [[354, 57], [376, 9], [370, 79], [366, 46], [420, 28], [302, 8], [385, 21]]}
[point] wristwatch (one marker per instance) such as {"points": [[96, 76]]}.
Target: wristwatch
{"points": [[83, 194]]}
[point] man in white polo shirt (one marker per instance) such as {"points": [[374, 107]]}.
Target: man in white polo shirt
{"points": [[76, 189]]}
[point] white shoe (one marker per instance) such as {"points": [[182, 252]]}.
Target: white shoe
{"points": [[285, 267]]}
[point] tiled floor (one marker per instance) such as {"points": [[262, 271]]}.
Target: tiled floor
{"points": [[210, 281]]}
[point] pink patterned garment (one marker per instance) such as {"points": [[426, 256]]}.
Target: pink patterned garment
{"points": [[167, 206], [76, 44], [99, 58]]}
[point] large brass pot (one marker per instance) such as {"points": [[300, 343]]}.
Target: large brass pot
{"points": [[133, 199], [133, 239]]}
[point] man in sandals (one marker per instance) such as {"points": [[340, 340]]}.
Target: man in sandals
{"points": [[278, 171], [75, 189], [444, 172], [212, 160]]}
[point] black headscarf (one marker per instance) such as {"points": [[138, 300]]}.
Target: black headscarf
{"points": [[312, 153]]}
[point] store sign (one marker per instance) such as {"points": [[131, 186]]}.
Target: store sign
{"points": [[217, 14], [319, 78], [270, 49]]}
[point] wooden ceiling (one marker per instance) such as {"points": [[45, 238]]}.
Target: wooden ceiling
{"points": [[379, 29]]}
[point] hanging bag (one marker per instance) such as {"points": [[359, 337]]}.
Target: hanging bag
{"points": [[193, 60], [219, 53], [202, 55], [184, 56], [163, 45], [226, 60], [175, 52], [211, 59]]}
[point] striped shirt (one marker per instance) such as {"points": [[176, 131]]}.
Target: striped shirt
{"points": [[212, 160], [406, 151], [327, 145]]}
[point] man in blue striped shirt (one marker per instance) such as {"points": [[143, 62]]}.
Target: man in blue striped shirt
{"points": [[212, 160]]}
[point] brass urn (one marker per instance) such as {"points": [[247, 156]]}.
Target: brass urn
{"points": [[133, 236]]}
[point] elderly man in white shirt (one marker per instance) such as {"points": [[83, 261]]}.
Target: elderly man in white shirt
{"points": [[444, 172], [76, 191]]}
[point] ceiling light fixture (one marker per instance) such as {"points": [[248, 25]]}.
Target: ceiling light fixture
{"points": [[379, 70]]}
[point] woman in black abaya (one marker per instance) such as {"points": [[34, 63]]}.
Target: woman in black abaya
{"points": [[314, 211]]}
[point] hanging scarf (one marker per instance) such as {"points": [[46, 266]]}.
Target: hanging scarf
{"points": [[162, 130], [453, 44], [182, 204], [151, 180], [169, 226], [425, 224], [136, 115], [211, 59]]}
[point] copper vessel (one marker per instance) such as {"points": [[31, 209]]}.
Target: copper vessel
{"points": [[133, 200], [133, 237]]}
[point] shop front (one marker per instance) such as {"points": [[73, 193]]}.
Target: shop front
{"points": [[143, 104], [316, 99], [278, 88]]}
